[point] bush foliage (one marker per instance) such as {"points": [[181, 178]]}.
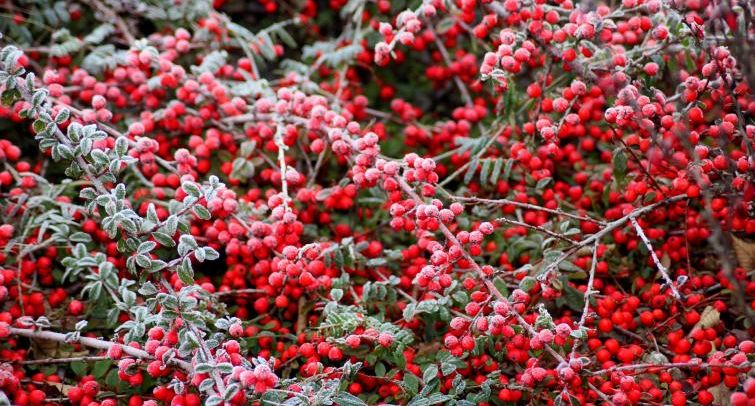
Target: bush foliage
{"points": [[358, 202]]}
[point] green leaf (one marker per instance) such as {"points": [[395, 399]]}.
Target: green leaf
{"points": [[619, 166], [284, 36], [156, 265], [471, 170], [192, 189], [38, 126], [347, 399], [336, 294], [164, 239], [100, 368], [143, 261], [458, 384], [445, 24], [496, 172], [437, 398], [99, 156], [62, 116], [10, 96], [79, 237], [210, 253], [573, 298], [409, 311], [527, 283], [507, 169], [431, 372], [411, 383], [112, 379], [484, 171], [568, 266], [447, 368], [199, 255], [380, 369], [146, 247], [186, 272], [79, 368], [542, 183], [202, 212], [375, 262]]}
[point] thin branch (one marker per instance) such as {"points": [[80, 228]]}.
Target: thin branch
{"points": [[94, 343], [690, 364], [662, 269], [588, 293], [610, 227], [44, 361], [535, 228], [282, 147], [447, 59], [239, 292], [505, 202]]}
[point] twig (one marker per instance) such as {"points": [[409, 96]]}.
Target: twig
{"points": [[535, 228], [238, 292], [64, 360], [447, 59], [588, 293], [301, 317], [662, 269], [94, 343], [505, 202], [320, 159], [609, 228], [601, 394], [689, 364], [282, 147]]}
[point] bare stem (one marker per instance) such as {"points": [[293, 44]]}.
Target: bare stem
{"points": [[282, 147], [505, 202], [689, 364], [45, 361], [588, 293], [93, 343], [610, 227], [535, 228], [662, 269]]}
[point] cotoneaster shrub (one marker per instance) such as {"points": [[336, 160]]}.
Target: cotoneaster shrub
{"points": [[377, 202]]}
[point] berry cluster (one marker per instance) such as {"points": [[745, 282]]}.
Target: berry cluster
{"points": [[463, 202]]}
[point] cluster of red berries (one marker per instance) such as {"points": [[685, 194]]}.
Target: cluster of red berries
{"points": [[565, 189]]}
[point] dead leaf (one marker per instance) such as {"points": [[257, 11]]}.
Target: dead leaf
{"points": [[429, 348], [721, 395], [709, 318], [666, 260], [744, 249], [61, 387]]}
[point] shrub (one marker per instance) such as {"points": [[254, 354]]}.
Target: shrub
{"points": [[353, 202]]}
